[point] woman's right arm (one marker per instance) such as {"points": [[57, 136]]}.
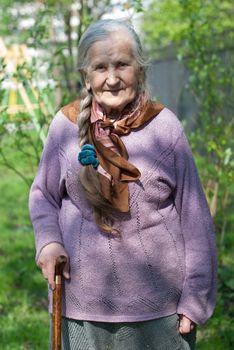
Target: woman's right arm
{"points": [[44, 205]]}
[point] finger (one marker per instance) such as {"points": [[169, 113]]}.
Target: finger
{"points": [[185, 325], [50, 270], [66, 270], [48, 276], [44, 272], [51, 280], [39, 264]]}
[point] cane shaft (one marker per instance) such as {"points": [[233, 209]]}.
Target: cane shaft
{"points": [[57, 297], [57, 317]]}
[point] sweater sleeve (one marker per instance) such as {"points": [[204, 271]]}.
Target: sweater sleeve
{"points": [[199, 291], [46, 194]]}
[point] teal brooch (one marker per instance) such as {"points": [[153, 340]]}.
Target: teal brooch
{"points": [[88, 156]]}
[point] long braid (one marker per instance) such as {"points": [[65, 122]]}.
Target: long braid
{"points": [[83, 120], [88, 176]]}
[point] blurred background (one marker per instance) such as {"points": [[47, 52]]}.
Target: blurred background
{"points": [[190, 46]]}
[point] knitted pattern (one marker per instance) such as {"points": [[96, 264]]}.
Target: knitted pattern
{"points": [[163, 263]]}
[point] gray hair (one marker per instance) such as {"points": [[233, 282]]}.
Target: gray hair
{"points": [[101, 30]]}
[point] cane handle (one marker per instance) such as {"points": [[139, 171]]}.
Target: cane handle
{"points": [[59, 265]]}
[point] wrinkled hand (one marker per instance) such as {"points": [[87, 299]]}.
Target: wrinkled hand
{"points": [[47, 259], [185, 324]]}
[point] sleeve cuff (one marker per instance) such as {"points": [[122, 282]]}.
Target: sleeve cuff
{"points": [[196, 307], [45, 238]]}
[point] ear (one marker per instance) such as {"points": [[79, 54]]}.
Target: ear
{"points": [[141, 75], [85, 80], [87, 83]]}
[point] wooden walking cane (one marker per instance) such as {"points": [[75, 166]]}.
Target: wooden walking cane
{"points": [[57, 294]]}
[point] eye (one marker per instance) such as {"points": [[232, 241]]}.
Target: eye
{"points": [[100, 67], [122, 64]]}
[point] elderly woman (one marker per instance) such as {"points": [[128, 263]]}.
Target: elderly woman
{"points": [[118, 193]]}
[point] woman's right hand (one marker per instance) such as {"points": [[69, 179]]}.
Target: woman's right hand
{"points": [[47, 259]]}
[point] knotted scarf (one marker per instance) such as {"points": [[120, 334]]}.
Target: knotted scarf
{"points": [[115, 171]]}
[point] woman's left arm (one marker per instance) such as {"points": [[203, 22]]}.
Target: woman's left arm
{"points": [[199, 291]]}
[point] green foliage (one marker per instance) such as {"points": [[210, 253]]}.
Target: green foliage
{"points": [[162, 23], [38, 107], [58, 41], [211, 82], [136, 4], [201, 33], [165, 22], [24, 321]]}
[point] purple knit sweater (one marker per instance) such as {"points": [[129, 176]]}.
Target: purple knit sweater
{"points": [[165, 260]]}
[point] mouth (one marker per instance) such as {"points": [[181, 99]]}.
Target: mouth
{"points": [[114, 92]]}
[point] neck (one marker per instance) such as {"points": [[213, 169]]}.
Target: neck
{"points": [[126, 110], [114, 113]]}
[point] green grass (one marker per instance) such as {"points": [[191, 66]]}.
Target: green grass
{"points": [[24, 321]]}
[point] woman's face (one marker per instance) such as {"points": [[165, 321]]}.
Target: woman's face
{"points": [[112, 73]]}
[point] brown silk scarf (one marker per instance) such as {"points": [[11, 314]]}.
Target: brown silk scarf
{"points": [[112, 153]]}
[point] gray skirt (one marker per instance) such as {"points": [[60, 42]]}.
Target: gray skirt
{"points": [[158, 334]]}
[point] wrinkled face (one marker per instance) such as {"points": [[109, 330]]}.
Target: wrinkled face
{"points": [[112, 72]]}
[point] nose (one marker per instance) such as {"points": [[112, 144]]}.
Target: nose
{"points": [[112, 77]]}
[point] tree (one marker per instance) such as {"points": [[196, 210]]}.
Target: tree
{"points": [[49, 78], [60, 24], [200, 33], [43, 80]]}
